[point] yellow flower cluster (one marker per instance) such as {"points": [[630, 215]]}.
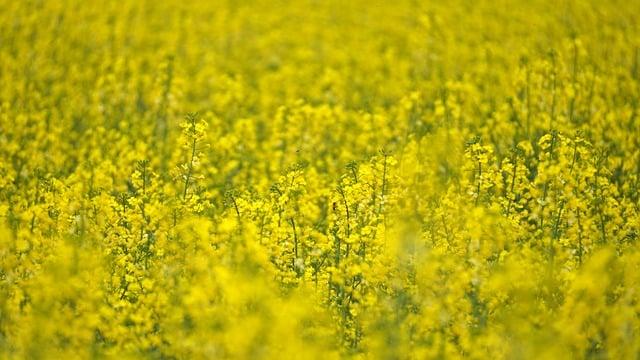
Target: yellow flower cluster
{"points": [[319, 179]]}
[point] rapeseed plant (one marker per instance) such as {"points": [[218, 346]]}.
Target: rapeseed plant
{"points": [[319, 179]]}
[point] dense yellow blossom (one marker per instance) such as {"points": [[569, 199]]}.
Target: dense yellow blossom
{"points": [[319, 179]]}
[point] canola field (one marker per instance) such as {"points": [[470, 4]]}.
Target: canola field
{"points": [[319, 179]]}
